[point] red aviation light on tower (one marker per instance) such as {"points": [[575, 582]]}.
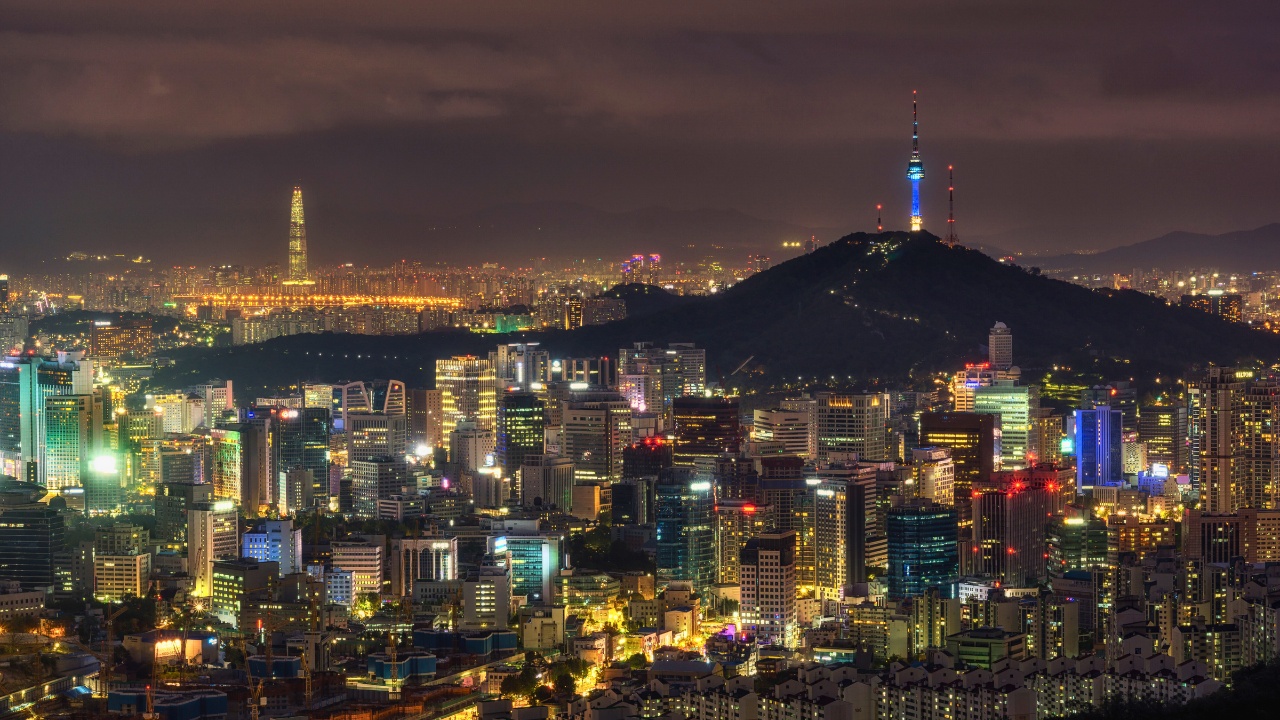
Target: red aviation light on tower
{"points": [[879, 224]]}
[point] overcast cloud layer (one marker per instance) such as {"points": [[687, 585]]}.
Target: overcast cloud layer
{"points": [[150, 127]]}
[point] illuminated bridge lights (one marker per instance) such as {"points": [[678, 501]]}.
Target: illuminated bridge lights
{"points": [[292, 300]]}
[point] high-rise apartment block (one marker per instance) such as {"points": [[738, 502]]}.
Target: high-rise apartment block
{"points": [[1220, 420], [768, 578]]}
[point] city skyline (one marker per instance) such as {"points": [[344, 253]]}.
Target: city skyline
{"points": [[586, 361], [429, 115]]}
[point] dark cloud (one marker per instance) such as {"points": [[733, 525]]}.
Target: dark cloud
{"points": [[132, 124]]}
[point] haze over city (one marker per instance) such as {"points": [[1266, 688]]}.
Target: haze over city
{"points": [[174, 133]]}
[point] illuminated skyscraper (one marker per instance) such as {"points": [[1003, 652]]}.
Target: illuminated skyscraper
{"points": [[299, 438], [1014, 405], [973, 440], [1008, 537], [1164, 429], [1221, 425], [686, 528], [853, 424], [468, 392], [789, 427], [922, 548], [297, 242], [31, 534], [844, 521], [71, 424], [767, 568], [705, 428], [521, 430], [915, 168], [1098, 447], [595, 430], [737, 521], [1000, 347], [1256, 483]]}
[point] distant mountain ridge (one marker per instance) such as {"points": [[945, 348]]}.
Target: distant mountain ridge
{"points": [[562, 229], [1240, 251]]}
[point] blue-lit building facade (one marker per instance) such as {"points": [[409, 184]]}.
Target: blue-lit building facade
{"points": [[1097, 444], [685, 510], [923, 549]]}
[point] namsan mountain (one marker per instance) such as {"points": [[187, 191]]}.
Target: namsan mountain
{"points": [[887, 306]]}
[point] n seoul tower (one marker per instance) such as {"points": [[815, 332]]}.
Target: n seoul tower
{"points": [[915, 168]]}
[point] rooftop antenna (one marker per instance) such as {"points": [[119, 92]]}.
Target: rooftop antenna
{"points": [[951, 240], [879, 225]]}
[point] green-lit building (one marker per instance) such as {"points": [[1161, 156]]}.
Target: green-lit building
{"points": [[521, 430], [70, 425], [1015, 405]]}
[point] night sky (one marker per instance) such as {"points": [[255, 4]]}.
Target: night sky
{"points": [[177, 129]]}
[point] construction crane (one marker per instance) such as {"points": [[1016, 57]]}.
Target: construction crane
{"points": [[106, 658], [406, 604], [255, 691], [150, 714], [312, 642]]}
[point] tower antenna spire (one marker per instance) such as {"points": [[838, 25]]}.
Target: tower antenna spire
{"points": [[915, 123], [879, 225], [915, 166], [951, 240]]}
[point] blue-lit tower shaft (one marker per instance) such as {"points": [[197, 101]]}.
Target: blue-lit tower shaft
{"points": [[915, 168]]}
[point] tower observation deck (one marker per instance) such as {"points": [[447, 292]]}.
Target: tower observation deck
{"points": [[915, 168]]}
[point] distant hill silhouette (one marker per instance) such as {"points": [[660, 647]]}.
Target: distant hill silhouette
{"points": [[1241, 251], [644, 299], [889, 306]]}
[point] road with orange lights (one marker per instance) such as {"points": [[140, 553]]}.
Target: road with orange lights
{"points": [[302, 300]]}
